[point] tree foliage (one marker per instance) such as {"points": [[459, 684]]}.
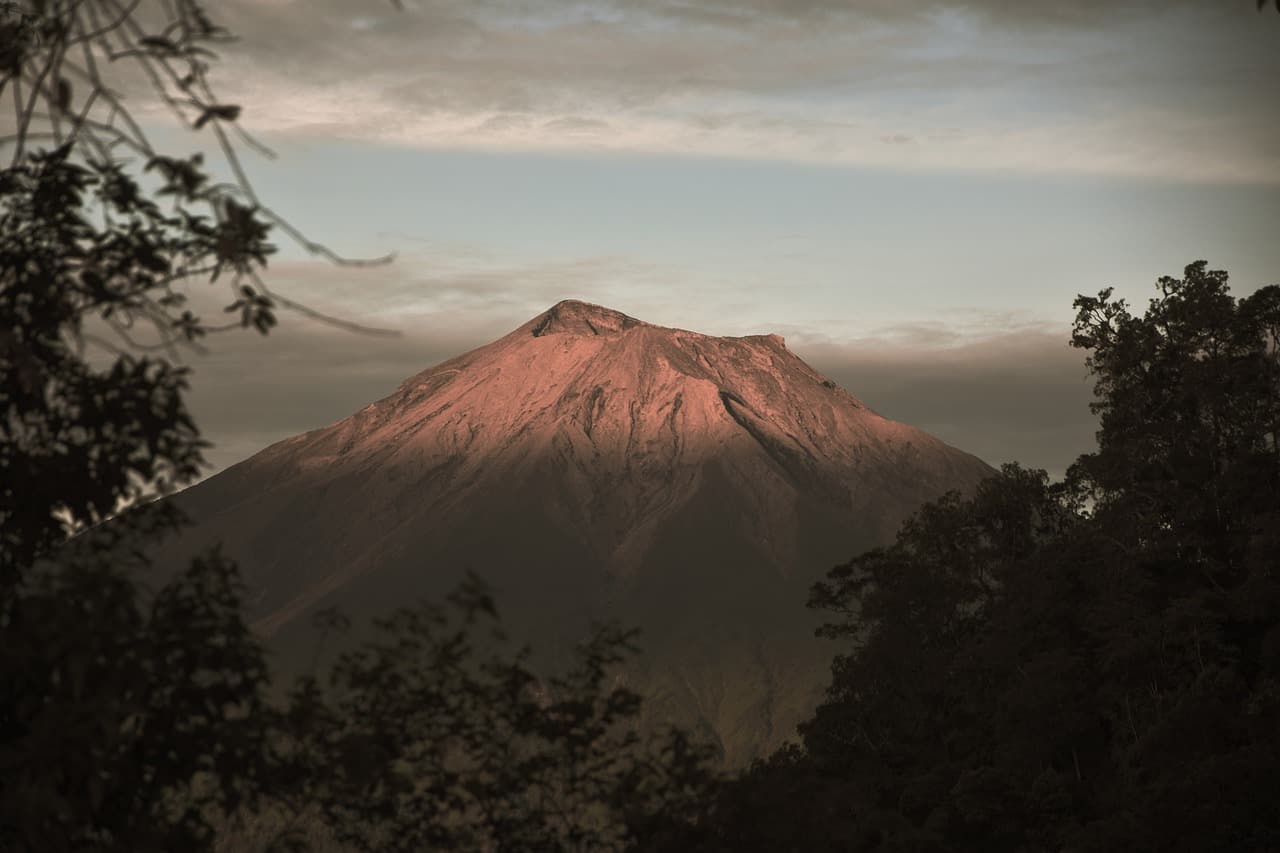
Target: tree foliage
{"points": [[1086, 665], [134, 716], [128, 716], [96, 265], [84, 252], [438, 736], [126, 724]]}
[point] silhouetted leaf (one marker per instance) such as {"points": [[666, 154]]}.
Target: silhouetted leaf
{"points": [[224, 112], [63, 94], [160, 44]]}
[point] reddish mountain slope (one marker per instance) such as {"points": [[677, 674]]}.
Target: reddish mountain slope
{"points": [[589, 464]]}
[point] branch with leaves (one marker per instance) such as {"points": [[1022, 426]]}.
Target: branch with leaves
{"points": [[63, 64]]}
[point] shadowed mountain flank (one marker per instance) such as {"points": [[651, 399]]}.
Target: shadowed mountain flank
{"points": [[591, 465]]}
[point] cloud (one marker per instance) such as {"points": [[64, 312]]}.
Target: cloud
{"points": [[576, 125], [1019, 395], [1089, 87], [429, 280]]}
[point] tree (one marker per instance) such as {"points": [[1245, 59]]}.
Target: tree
{"points": [[127, 725], [90, 261], [437, 736], [128, 716], [1185, 486], [1086, 665], [135, 717]]}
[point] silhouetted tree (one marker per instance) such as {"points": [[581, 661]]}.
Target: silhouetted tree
{"points": [[1088, 665], [128, 717], [134, 718], [1185, 495], [126, 724], [95, 271], [438, 736]]}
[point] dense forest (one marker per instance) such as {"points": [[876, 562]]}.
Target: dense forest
{"points": [[1084, 665]]}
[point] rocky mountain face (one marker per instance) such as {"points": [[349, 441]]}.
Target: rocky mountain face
{"points": [[591, 465]]}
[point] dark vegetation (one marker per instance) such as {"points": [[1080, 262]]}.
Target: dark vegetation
{"points": [[1085, 665]]}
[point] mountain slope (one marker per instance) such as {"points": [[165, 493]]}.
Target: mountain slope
{"points": [[589, 464]]}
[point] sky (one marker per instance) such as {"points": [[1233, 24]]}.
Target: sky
{"points": [[911, 192]]}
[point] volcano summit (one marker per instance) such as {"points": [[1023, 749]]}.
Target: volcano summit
{"points": [[592, 465]]}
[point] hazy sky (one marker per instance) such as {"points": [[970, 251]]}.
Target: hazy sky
{"points": [[911, 192]]}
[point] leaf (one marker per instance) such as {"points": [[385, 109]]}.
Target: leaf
{"points": [[224, 112], [64, 94], [263, 320], [159, 43]]}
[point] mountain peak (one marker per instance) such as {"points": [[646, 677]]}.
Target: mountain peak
{"points": [[688, 484], [574, 317]]}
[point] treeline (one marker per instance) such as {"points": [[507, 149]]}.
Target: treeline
{"points": [[1092, 664], [1089, 665]]}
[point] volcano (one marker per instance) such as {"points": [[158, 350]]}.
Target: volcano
{"points": [[590, 465]]}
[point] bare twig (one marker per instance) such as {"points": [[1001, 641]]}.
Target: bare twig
{"points": [[336, 322]]}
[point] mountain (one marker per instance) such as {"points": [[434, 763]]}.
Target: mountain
{"points": [[589, 465]]}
